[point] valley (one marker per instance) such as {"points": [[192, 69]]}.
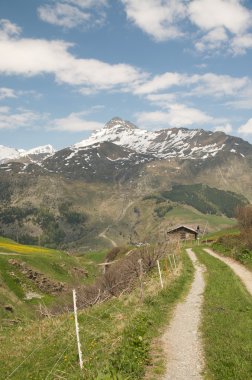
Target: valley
{"points": [[94, 217]]}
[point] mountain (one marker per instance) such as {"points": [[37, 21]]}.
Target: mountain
{"points": [[121, 184], [168, 143], [7, 153], [32, 155]]}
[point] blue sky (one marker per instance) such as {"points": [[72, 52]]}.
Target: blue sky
{"points": [[68, 66]]}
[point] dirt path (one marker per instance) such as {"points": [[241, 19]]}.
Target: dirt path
{"points": [[104, 236], [243, 273], [182, 340], [103, 233]]}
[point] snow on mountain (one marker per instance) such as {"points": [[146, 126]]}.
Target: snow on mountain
{"points": [[7, 153], [166, 143], [37, 154], [45, 149]]}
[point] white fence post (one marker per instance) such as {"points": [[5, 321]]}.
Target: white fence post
{"points": [[160, 275], [141, 278], [169, 257], [77, 329], [173, 256]]}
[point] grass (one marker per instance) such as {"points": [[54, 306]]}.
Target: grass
{"points": [[10, 246], [188, 214], [116, 336], [227, 323], [227, 231], [55, 265]]}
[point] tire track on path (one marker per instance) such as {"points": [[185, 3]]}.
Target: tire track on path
{"points": [[182, 340], [240, 270]]}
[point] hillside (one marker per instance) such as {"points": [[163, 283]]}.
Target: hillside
{"points": [[99, 184], [34, 279]]}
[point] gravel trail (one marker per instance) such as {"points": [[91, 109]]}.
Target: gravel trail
{"points": [[243, 273], [182, 340]]}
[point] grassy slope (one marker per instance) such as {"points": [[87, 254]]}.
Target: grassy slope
{"points": [[236, 251], [190, 215], [56, 265], [116, 336], [227, 323]]}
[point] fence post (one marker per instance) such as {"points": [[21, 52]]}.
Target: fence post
{"points": [[169, 257], [77, 329], [160, 275], [173, 256], [141, 278]]}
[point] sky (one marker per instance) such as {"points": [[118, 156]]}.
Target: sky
{"points": [[69, 66]]}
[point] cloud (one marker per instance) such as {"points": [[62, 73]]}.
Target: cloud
{"points": [[227, 128], [213, 40], [219, 85], [15, 119], [246, 128], [7, 93], [161, 99], [75, 123], [221, 24], [212, 14], [29, 57], [73, 13], [160, 82], [158, 18], [241, 43], [208, 84], [8, 29], [88, 3], [178, 115], [63, 15], [225, 29]]}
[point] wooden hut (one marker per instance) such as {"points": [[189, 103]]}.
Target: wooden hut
{"points": [[182, 233]]}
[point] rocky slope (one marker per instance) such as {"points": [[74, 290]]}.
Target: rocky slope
{"points": [[168, 143], [112, 182]]}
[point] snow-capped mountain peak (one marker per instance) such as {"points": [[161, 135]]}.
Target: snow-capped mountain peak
{"points": [[44, 149], [35, 154], [7, 153], [166, 143], [117, 122]]}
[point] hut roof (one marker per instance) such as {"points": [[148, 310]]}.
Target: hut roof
{"points": [[189, 229]]}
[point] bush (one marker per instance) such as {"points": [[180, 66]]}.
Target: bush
{"points": [[162, 210]]}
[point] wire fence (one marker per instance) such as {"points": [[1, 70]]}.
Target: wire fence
{"points": [[93, 331]]}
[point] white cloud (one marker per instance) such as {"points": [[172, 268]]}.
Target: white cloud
{"points": [[212, 40], [63, 15], [7, 93], [88, 3], [199, 84], [73, 13], [29, 57], [219, 85], [8, 29], [227, 128], [160, 82], [15, 119], [161, 99], [212, 14], [246, 128], [221, 24], [4, 109], [241, 43], [158, 18], [225, 24], [178, 115], [75, 123]]}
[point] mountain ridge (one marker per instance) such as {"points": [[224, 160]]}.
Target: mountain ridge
{"points": [[32, 155]]}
